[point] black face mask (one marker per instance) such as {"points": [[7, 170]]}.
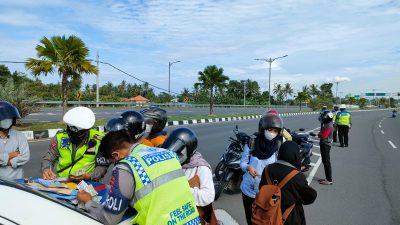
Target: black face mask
{"points": [[76, 136]]}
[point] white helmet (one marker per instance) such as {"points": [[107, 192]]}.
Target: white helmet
{"points": [[342, 106], [80, 117]]}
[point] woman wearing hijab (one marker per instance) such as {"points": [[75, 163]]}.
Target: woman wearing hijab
{"points": [[296, 191], [264, 153]]}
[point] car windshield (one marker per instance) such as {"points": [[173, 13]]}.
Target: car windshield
{"points": [[20, 184]]}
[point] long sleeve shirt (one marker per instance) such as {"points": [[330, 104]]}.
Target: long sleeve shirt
{"points": [[16, 140], [250, 184], [203, 195], [52, 155], [120, 194]]}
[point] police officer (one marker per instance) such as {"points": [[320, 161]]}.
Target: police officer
{"points": [[14, 149], [156, 119], [75, 149], [343, 122], [148, 179], [335, 110]]}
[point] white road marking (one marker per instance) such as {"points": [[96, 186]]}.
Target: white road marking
{"points": [[380, 126], [312, 164], [391, 143], [382, 132], [316, 146], [314, 170], [317, 154], [224, 217]]}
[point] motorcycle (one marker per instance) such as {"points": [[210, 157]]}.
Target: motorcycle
{"points": [[305, 144], [394, 113], [228, 171]]}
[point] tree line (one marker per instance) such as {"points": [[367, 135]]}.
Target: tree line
{"points": [[67, 57]]}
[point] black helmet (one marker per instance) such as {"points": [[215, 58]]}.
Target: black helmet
{"points": [[156, 117], [327, 116], [183, 142], [270, 121], [8, 111], [134, 123], [115, 124]]}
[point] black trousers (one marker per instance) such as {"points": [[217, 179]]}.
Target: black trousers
{"points": [[247, 204], [343, 131], [326, 160], [335, 133]]}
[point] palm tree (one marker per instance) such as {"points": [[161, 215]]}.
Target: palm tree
{"points": [[210, 78], [302, 97], [278, 90], [287, 90], [314, 91], [67, 55]]}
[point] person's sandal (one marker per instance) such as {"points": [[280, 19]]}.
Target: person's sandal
{"points": [[325, 182]]}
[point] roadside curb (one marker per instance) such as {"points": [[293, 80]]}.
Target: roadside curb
{"points": [[44, 134]]}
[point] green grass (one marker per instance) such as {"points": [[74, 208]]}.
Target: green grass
{"points": [[102, 122]]}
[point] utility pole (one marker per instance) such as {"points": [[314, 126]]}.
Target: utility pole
{"points": [[169, 76], [97, 80], [244, 93], [270, 60]]}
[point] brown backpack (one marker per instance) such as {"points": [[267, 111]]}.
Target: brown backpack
{"points": [[266, 209]]}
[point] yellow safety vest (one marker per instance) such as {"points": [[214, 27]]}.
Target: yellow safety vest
{"points": [[162, 193], [88, 161], [343, 118]]}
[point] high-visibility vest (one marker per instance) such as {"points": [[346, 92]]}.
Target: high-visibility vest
{"points": [[343, 118], [162, 193], [88, 161]]}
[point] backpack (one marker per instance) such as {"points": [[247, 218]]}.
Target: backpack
{"points": [[266, 209]]}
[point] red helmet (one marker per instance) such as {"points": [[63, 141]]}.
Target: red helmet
{"points": [[272, 111]]}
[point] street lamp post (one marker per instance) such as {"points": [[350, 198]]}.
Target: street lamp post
{"points": [[270, 60], [169, 75]]}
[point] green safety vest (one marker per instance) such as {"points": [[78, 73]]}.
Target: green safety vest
{"points": [[162, 193], [87, 163], [343, 118]]}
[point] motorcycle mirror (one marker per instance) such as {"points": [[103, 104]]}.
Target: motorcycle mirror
{"points": [[313, 134], [301, 129]]}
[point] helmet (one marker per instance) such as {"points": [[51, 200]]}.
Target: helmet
{"points": [[336, 108], [81, 118], [115, 124], [134, 123], [8, 114], [156, 117], [271, 121], [327, 116], [342, 106], [183, 142], [272, 111], [324, 107]]}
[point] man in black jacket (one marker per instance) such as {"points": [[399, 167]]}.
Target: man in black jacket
{"points": [[296, 190]]}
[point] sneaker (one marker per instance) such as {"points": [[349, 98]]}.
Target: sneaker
{"points": [[325, 182], [346, 146], [342, 145]]}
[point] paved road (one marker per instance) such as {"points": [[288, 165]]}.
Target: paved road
{"points": [[366, 179], [55, 114]]}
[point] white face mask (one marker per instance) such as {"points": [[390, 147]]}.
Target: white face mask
{"points": [[270, 135], [6, 123]]}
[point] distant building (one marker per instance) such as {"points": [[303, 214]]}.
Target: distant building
{"points": [[137, 99]]}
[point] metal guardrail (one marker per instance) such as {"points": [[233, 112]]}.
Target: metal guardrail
{"points": [[171, 104]]}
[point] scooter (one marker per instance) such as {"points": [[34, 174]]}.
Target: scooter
{"points": [[305, 144], [228, 172]]}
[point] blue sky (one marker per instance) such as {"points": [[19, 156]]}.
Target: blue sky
{"points": [[356, 42]]}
